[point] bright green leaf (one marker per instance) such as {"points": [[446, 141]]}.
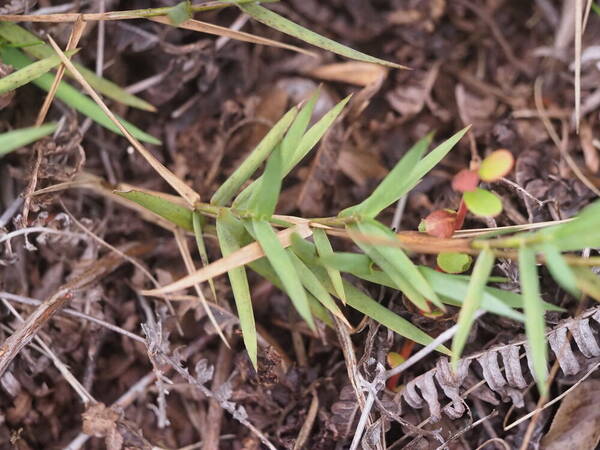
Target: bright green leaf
{"points": [[283, 266], [292, 138], [392, 186], [481, 272], [11, 140], [31, 72], [483, 203], [260, 153], [229, 235], [73, 98], [452, 262], [324, 249], [286, 26], [15, 34], [174, 213], [306, 144], [588, 282], [263, 202], [534, 316]]}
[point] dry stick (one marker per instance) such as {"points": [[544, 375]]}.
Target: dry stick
{"points": [[539, 104], [11, 347], [578, 36], [214, 417], [127, 258], [71, 312], [183, 189], [189, 266], [85, 396], [74, 38], [304, 433]]}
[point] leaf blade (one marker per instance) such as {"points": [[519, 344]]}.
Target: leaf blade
{"points": [[11, 140]]}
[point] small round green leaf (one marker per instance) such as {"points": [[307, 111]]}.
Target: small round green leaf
{"points": [[452, 262], [483, 203], [496, 165]]}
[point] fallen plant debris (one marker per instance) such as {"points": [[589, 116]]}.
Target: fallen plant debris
{"points": [[363, 223]]}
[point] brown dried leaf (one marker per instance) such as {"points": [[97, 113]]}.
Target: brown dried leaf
{"points": [[577, 422], [352, 72]]}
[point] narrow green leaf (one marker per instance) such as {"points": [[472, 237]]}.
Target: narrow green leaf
{"points": [[366, 305], [180, 13], [11, 140], [453, 262], [288, 27], [292, 138], [263, 202], [348, 262], [282, 264], [174, 213], [304, 249], [229, 236], [313, 285], [396, 257], [481, 273], [31, 72], [15, 34], [265, 269], [306, 144], [73, 98], [534, 316], [483, 203], [260, 153], [391, 187], [560, 270], [324, 249], [197, 219], [578, 234]]}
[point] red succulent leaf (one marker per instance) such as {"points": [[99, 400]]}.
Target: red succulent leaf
{"points": [[465, 181], [440, 223]]}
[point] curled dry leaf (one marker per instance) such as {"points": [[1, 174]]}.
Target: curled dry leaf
{"points": [[465, 181], [503, 372], [440, 223], [577, 422], [352, 72]]}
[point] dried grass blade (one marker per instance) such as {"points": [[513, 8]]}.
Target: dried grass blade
{"points": [[183, 189]]}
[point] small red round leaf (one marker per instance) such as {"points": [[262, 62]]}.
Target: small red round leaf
{"points": [[440, 223], [496, 165], [465, 181]]}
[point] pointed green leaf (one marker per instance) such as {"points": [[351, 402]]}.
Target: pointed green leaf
{"points": [[560, 270], [265, 269], [395, 257], [313, 285], [391, 187], [263, 202], [453, 262], [260, 153], [73, 98], [366, 305], [348, 262], [228, 234], [31, 72], [292, 138], [578, 234], [483, 203], [534, 316], [15, 34], [324, 249], [11, 140], [282, 264], [288, 27], [481, 273], [197, 219], [174, 213], [306, 144]]}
